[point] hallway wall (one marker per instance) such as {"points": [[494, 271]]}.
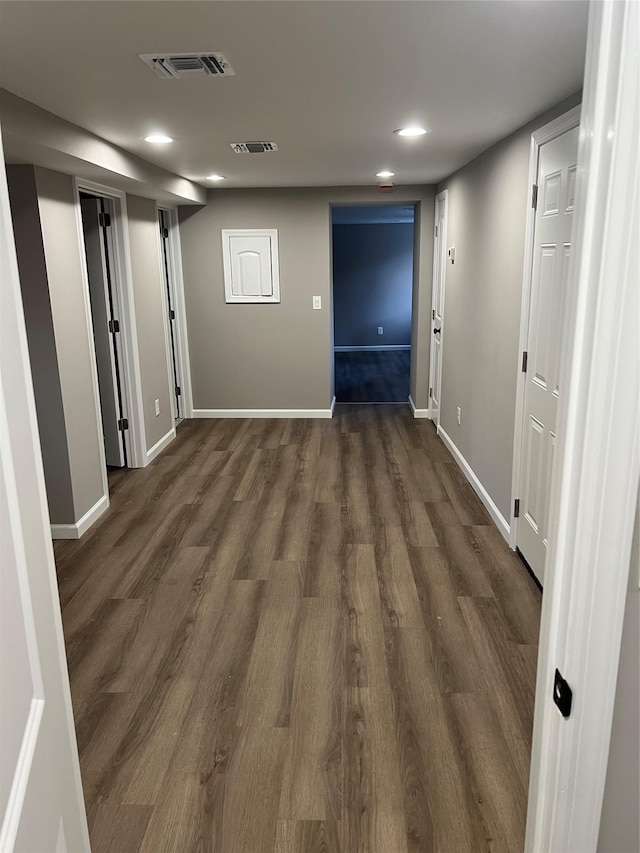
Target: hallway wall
{"points": [[51, 265], [488, 201], [280, 356], [372, 283]]}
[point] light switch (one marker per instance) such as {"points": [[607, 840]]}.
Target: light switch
{"points": [[317, 303], [452, 254]]}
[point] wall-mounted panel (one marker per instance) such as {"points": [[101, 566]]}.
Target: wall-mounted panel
{"points": [[251, 265]]}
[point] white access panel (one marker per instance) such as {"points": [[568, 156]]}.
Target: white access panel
{"points": [[250, 260]]}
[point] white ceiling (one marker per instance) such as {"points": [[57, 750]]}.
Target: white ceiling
{"points": [[327, 80]]}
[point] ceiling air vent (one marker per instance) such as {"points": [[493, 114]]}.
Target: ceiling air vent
{"points": [[253, 147], [170, 66]]}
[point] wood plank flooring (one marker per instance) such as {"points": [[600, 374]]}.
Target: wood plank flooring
{"points": [[300, 635]]}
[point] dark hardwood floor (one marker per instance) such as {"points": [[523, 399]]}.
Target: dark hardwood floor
{"points": [[301, 635], [372, 376]]}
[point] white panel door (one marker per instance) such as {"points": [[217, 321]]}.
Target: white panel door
{"points": [[437, 303], [41, 804], [100, 296], [551, 252], [251, 266]]}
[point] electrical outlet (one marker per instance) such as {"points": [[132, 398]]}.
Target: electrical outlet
{"points": [[317, 303], [459, 413], [157, 407], [380, 330]]}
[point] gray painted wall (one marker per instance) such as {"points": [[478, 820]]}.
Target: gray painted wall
{"points": [[372, 283], [149, 297], [619, 830], [280, 356], [487, 216], [41, 340]]}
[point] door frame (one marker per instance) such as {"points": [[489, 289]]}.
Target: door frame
{"points": [[539, 137], [176, 283], [596, 474], [441, 197], [122, 286]]}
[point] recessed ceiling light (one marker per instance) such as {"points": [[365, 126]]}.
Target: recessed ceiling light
{"points": [[158, 138], [215, 177], [385, 174], [411, 131]]}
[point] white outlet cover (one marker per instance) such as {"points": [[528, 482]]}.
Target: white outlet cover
{"points": [[317, 303]]}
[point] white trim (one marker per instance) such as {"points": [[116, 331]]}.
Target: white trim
{"points": [[372, 349], [175, 258], [418, 413], [80, 527], [18, 790], [265, 413], [160, 445], [597, 470], [440, 197], [123, 283], [164, 284], [497, 517], [539, 137]]}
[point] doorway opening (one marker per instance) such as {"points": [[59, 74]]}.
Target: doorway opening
{"points": [[97, 215], [373, 275]]}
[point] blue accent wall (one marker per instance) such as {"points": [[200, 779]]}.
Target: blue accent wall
{"points": [[372, 284]]}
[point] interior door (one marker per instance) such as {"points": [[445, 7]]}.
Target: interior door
{"points": [[104, 329], [552, 249], [437, 309], [41, 806]]}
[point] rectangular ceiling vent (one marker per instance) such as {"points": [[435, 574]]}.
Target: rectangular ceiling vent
{"points": [[253, 147], [170, 66]]}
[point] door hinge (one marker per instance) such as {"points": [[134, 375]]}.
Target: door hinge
{"points": [[431, 392], [436, 230], [433, 313], [123, 424], [114, 326], [104, 220], [178, 391], [516, 508], [534, 197], [165, 232], [172, 314], [525, 358], [562, 694]]}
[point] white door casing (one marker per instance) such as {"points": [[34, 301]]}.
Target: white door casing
{"points": [[437, 305], [41, 803], [101, 299], [551, 252]]}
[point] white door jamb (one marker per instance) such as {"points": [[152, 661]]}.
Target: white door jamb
{"points": [[595, 480]]}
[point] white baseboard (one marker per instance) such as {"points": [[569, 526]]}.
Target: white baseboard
{"points": [[479, 489], [159, 446], [368, 349], [76, 530], [264, 413], [418, 413]]}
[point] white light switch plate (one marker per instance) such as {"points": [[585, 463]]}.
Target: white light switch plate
{"points": [[317, 303]]}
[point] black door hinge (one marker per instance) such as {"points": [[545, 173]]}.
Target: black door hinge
{"points": [[516, 508], [165, 232], [562, 694], [178, 391], [431, 392], [436, 230], [104, 220], [123, 424], [172, 314], [534, 197], [114, 326], [525, 358]]}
